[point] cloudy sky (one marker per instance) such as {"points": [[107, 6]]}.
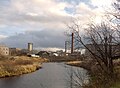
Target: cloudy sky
{"points": [[43, 21]]}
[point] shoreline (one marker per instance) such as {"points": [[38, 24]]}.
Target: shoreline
{"points": [[19, 74], [19, 66], [81, 64]]}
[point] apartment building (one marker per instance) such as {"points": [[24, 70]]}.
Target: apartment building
{"points": [[4, 50]]}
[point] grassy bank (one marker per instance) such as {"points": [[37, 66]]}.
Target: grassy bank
{"points": [[62, 58], [12, 66], [97, 79], [84, 64]]}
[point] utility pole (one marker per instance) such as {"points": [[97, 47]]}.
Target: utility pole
{"points": [[72, 43]]}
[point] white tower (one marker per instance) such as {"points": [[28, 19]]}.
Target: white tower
{"points": [[30, 46]]}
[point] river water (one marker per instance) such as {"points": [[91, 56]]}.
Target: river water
{"points": [[52, 75]]}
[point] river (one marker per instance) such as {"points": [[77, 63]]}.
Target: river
{"points": [[52, 75]]}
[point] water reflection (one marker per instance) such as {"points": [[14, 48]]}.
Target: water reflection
{"points": [[52, 75], [76, 77]]}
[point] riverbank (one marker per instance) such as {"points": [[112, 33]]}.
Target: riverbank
{"points": [[77, 63], [14, 66], [62, 58], [98, 80]]}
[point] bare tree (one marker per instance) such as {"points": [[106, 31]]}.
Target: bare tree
{"points": [[102, 42], [116, 12]]}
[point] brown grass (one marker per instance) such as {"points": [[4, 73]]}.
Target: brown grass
{"points": [[19, 65]]}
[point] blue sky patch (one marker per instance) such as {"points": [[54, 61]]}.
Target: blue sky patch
{"points": [[10, 31], [4, 2], [70, 10]]}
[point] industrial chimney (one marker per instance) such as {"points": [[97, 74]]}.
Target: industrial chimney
{"points": [[72, 43]]}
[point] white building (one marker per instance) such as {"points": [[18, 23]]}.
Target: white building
{"points": [[4, 50]]}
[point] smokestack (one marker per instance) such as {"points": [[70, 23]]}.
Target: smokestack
{"points": [[72, 42], [65, 47]]}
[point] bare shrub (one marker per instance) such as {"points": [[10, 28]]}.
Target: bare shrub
{"points": [[23, 62]]}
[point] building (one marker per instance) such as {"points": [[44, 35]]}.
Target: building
{"points": [[60, 53], [4, 50], [14, 51], [24, 52], [43, 53], [30, 46], [115, 50]]}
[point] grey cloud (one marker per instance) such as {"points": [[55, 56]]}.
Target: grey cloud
{"points": [[21, 15], [14, 15], [26, 20], [44, 38]]}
